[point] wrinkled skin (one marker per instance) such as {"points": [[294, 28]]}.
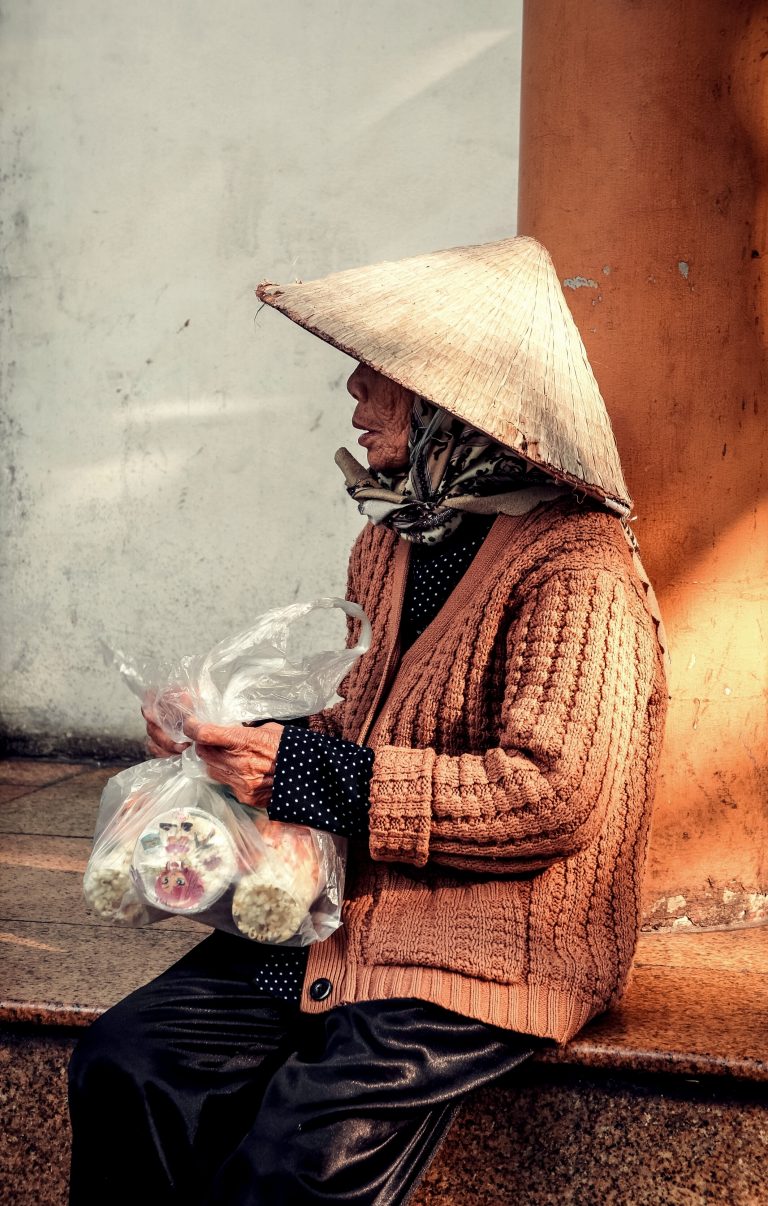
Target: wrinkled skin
{"points": [[383, 414], [241, 758], [158, 743]]}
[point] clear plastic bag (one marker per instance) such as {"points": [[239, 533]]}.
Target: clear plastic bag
{"points": [[170, 841]]}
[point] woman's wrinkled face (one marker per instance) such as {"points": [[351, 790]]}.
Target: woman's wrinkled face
{"points": [[383, 414]]}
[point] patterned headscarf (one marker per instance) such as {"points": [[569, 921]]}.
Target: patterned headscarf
{"points": [[449, 462]]}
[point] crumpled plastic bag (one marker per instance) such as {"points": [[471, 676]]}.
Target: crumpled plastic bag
{"points": [[169, 841]]}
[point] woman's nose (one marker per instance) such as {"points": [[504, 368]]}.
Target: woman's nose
{"points": [[356, 384]]}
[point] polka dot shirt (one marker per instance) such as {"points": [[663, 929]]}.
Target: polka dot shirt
{"points": [[434, 571], [324, 781]]}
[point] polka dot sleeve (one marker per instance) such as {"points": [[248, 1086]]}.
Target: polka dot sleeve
{"points": [[321, 781]]}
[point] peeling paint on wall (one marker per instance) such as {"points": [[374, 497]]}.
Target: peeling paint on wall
{"points": [[682, 268], [722, 906], [579, 282]]}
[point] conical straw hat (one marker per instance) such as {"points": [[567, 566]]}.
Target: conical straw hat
{"points": [[484, 332]]}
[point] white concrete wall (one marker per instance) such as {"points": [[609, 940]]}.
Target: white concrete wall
{"points": [[167, 452]]}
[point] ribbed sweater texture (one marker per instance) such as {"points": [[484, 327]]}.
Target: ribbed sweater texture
{"points": [[516, 750]]}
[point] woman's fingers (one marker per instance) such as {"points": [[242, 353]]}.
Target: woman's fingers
{"points": [[226, 776], [248, 765], [256, 794], [244, 778], [241, 758], [236, 738], [160, 739], [228, 737]]}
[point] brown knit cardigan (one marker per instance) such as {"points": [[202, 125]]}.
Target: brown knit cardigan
{"points": [[517, 744]]}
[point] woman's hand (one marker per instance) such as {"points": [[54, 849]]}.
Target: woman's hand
{"points": [[158, 743], [241, 758]]}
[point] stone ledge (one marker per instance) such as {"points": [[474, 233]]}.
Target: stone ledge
{"points": [[672, 1020], [61, 968]]}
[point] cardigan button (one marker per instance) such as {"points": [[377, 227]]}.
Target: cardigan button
{"points": [[320, 989]]}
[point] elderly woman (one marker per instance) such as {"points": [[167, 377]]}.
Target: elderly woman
{"points": [[492, 759]]}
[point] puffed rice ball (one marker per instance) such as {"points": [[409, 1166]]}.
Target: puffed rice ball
{"points": [[110, 892]]}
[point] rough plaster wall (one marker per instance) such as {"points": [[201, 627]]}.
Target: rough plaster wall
{"points": [[167, 465]]}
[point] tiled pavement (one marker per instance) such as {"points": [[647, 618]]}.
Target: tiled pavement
{"points": [[59, 965]]}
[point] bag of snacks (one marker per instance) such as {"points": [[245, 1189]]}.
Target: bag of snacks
{"points": [[170, 841]]}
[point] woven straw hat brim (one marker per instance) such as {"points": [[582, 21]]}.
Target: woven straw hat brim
{"points": [[485, 333]]}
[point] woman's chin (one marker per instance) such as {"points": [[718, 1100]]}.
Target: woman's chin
{"points": [[381, 463], [383, 458]]}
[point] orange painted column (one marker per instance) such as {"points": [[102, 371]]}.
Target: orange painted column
{"points": [[644, 170]]}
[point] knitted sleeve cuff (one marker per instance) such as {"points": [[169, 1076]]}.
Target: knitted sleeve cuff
{"points": [[400, 816]]}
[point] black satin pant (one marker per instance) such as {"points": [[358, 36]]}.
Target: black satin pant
{"points": [[198, 1090]]}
